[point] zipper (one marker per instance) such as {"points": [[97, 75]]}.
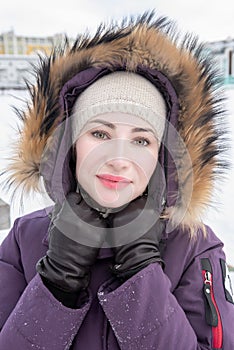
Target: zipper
{"points": [[212, 312]]}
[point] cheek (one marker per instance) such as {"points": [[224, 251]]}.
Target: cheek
{"points": [[88, 158], [80, 154], [150, 167], [146, 165], [143, 178], [83, 149]]}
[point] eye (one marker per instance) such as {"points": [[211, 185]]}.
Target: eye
{"points": [[100, 134], [141, 142]]}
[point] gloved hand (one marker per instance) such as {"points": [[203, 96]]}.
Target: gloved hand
{"points": [[137, 230], [75, 236], [140, 252]]}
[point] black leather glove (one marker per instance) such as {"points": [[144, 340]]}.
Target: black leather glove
{"points": [[137, 230], [75, 237]]}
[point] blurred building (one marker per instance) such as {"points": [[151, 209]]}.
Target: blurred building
{"points": [[12, 44], [14, 69], [18, 52], [224, 54]]}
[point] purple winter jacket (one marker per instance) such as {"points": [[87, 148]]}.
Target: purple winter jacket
{"points": [[189, 304], [154, 309]]}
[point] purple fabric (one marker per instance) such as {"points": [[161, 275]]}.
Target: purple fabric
{"points": [[154, 309]]}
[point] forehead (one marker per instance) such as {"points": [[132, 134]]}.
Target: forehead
{"points": [[117, 118]]}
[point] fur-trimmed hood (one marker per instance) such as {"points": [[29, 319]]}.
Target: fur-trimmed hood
{"points": [[182, 71]]}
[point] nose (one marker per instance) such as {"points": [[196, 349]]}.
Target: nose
{"points": [[118, 155], [118, 164]]}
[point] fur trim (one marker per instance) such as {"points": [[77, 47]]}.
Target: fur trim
{"points": [[154, 44]]}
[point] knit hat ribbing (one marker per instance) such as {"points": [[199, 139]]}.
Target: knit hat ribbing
{"points": [[120, 92]]}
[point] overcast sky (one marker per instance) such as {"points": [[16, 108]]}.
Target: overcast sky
{"points": [[210, 19]]}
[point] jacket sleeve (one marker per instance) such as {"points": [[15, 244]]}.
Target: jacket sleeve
{"points": [[145, 314], [30, 315]]}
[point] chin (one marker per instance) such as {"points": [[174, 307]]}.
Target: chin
{"points": [[111, 204], [115, 201]]}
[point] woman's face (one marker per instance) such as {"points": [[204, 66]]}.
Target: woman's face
{"points": [[117, 154]]}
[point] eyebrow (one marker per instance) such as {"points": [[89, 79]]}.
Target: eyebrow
{"points": [[112, 126]]}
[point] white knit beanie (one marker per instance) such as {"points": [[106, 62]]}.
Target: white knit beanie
{"points": [[120, 92]]}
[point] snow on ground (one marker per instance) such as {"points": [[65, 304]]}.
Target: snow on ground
{"points": [[219, 217]]}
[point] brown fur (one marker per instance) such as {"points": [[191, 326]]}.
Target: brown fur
{"points": [[144, 45]]}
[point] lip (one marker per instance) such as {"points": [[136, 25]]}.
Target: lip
{"points": [[113, 181]]}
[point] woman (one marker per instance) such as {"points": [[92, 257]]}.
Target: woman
{"points": [[124, 129]]}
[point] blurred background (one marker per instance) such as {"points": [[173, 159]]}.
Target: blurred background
{"points": [[27, 29]]}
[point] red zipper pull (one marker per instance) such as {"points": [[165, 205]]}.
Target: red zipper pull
{"points": [[212, 312]]}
